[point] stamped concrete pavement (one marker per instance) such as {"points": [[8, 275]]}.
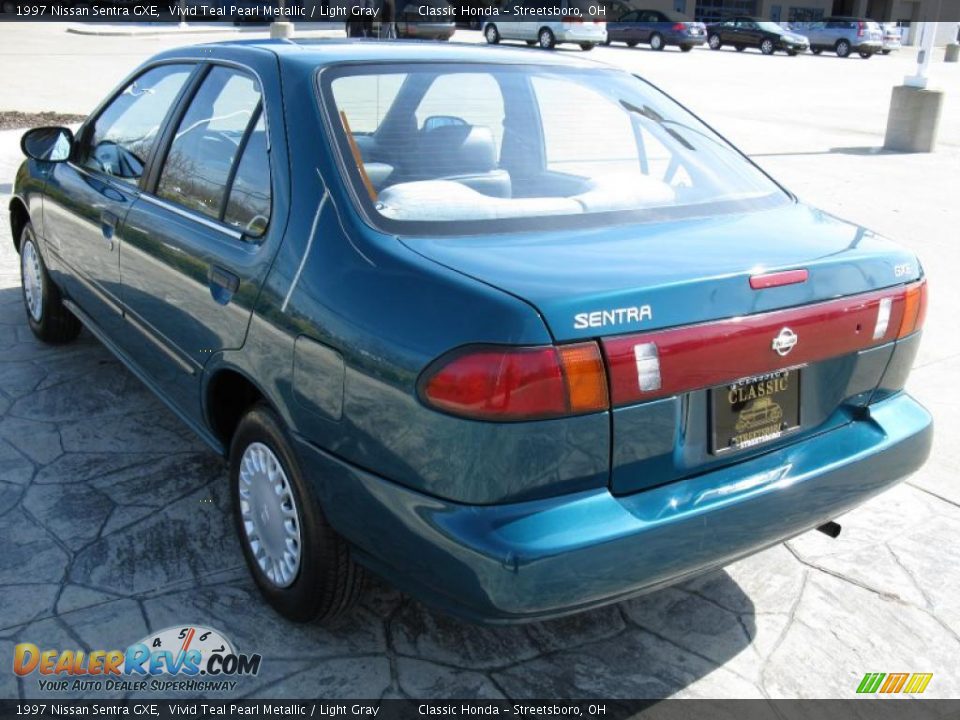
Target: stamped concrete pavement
{"points": [[115, 520]]}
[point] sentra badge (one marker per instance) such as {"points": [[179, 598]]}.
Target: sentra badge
{"points": [[616, 316]]}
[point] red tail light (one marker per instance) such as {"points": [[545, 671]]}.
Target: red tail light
{"points": [[860, 27], [679, 27], [506, 384]]}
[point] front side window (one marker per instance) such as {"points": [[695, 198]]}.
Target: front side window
{"points": [[471, 147], [208, 141], [124, 134]]}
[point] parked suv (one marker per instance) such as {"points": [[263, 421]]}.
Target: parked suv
{"points": [[892, 39], [548, 23], [846, 35]]}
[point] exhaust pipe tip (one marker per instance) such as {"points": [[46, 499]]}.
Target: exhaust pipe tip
{"points": [[831, 529]]}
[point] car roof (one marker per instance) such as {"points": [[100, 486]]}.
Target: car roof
{"points": [[319, 52]]}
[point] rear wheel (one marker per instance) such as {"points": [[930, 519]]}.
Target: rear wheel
{"points": [[842, 48], [865, 54], [714, 42], [656, 41], [816, 51], [545, 39], [767, 47], [47, 316], [686, 48], [302, 567], [491, 34], [586, 46]]}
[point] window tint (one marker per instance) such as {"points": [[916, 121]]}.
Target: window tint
{"points": [[249, 205], [125, 132], [197, 168]]}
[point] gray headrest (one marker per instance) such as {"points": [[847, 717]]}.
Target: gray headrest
{"points": [[457, 150]]}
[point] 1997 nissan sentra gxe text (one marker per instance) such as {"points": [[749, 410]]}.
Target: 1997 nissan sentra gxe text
{"points": [[517, 332]]}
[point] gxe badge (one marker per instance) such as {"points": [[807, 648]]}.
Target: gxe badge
{"points": [[784, 342]]}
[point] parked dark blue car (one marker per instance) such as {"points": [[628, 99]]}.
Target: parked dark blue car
{"points": [[518, 358], [657, 29]]}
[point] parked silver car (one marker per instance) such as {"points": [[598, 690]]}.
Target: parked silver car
{"points": [[547, 23], [892, 39], [844, 35]]}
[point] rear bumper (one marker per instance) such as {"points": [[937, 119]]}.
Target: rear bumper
{"points": [[513, 562]]}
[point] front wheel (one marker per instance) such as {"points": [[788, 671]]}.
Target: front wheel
{"points": [[686, 48], [816, 51], [865, 55], [491, 34], [767, 47], [884, 52], [302, 567], [586, 46], [47, 316], [792, 53], [546, 39], [714, 42], [843, 48], [656, 41]]}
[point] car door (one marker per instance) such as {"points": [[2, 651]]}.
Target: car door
{"points": [[198, 243], [89, 197], [748, 33], [506, 20], [624, 29]]}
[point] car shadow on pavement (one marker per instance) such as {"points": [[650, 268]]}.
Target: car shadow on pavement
{"points": [[117, 524]]}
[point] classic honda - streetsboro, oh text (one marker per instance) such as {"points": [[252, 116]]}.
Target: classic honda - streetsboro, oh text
{"points": [[517, 358]]}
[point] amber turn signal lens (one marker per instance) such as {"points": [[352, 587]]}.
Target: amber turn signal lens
{"points": [[585, 376], [914, 309]]}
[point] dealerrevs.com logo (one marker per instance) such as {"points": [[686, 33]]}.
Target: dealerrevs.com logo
{"points": [[188, 658]]}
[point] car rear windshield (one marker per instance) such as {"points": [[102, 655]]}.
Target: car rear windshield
{"points": [[461, 148]]}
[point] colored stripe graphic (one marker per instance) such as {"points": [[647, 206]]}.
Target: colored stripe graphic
{"points": [[906, 683], [870, 682], [895, 682]]}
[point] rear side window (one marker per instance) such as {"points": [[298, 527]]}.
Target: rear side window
{"points": [[199, 165], [125, 132], [248, 207]]}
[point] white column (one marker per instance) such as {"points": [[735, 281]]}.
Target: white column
{"points": [[919, 79]]}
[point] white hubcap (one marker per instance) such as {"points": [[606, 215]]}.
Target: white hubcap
{"points": [[32, 280], [269, 513]]}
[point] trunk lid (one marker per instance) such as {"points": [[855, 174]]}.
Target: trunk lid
{"points": [[632, 278]]}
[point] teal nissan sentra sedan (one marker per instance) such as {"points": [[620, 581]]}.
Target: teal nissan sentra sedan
{"points": [[518, 333]]}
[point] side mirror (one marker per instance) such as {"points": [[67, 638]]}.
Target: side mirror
{"points": [[49, 144]]}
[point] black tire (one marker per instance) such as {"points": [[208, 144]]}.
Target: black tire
{"points": [[767, 47], [545, 39], [656, 42], [631, 43], [739, 48], [842, 48], [586, 46], [48, 317], [792, 53], [328, 582], [714, 42], [865, 54], [884, 52], [491, 34], [816, 51], [686, 48]]}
